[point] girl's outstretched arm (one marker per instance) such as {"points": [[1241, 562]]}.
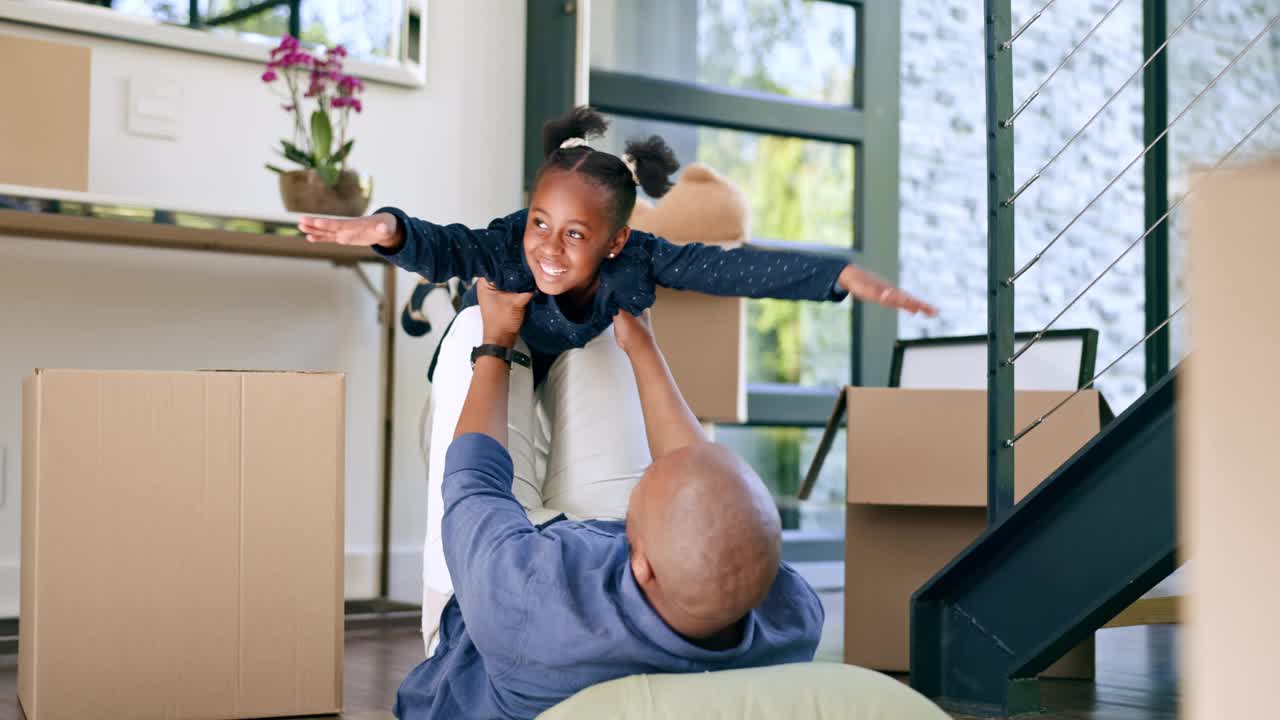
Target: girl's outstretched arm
{"points": [[437, 252], [753, 272]]}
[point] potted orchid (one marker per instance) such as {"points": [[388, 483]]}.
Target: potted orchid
{"points": [[320, 98]]}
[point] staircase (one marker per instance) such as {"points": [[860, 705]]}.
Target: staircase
{"points": [[1094, 537]]}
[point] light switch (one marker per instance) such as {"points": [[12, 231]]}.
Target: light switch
{"points": [[154, 108]]}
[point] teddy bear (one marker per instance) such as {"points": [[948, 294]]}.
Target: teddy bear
{"points": [[702, 336]]}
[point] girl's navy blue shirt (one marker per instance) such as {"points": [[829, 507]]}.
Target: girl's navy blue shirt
{"points": [[627, 282]]}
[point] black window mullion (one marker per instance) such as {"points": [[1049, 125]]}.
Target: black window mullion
{"points": [[670, 101], [781, 405]]}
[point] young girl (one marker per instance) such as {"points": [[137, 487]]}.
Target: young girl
{"points": [[572, 245], [581, 447]]}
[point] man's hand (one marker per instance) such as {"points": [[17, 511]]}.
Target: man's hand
{"points": [[869, 287], [631, 331], [379, 229], [503, 313]]}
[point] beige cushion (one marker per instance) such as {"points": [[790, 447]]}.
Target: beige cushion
{"points": [[820, 691]]}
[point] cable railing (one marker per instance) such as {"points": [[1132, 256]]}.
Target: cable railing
{"points": [[1087, 123], [1001, 199], [1146, 233], [1053, 73], [1088, 206]]}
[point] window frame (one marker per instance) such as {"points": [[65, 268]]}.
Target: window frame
{"points": [[106, 23], [554, 57]]}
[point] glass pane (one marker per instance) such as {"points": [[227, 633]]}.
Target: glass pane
{"points": [[792, 48], [799, 190], [370, 30], [781, 456], [267, 25], [170, 11], [804, 343]]}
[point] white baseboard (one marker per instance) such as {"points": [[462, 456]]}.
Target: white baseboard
{"points": [[9, 597], [361, 577], [405, 569], [823, 576], [406, 575]]}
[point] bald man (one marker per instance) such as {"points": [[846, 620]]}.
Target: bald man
{"points": [[692, 582]]}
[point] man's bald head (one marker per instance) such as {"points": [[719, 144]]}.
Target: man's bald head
{"points": [[705, 538]]}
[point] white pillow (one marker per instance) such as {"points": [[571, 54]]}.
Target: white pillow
{"points": [[821, 691]]}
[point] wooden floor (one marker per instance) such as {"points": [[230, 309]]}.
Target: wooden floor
{"points": [[1137, 676]]}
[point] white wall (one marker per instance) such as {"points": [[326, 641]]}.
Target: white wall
{"points": [[943, 245], [449, 151]]}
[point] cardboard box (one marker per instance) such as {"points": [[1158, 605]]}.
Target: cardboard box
{"points": [[917, 497], [182, 544], [44, 129], [704, 340], [1228, 464]]}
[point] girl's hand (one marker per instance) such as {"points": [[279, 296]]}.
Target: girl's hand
{"points": [[379, 229], [631, 331], [502, 313], [870, 287]]}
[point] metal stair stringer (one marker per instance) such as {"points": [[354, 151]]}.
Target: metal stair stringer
{"points": [[1091, 539]]}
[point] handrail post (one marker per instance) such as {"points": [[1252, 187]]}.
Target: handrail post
{"points": [[1000, 248], [1155, 88]]}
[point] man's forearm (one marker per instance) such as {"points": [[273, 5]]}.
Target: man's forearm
{"points": [[668, 421], [485, 409]]}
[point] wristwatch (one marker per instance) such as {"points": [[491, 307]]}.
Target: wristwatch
{"points": [[505, 354]]}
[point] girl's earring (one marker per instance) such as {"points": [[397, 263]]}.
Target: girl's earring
{"points": [[611, 256]]}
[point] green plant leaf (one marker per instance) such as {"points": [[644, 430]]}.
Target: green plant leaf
{"points": [[295, 154], [275, 169], [329, 174], [342, 154], [321, 136]]}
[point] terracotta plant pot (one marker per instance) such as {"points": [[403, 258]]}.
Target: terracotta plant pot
{"points": [[304, 192]]}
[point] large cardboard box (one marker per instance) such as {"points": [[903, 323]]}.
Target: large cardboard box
{"points": [[704, 340], [182, 545], [1229, 466], [917, 491]]}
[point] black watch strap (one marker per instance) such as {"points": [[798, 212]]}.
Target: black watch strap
{"points": [[505, 354]]}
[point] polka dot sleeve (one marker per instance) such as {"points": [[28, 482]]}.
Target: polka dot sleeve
{"points": [[745, 271]]}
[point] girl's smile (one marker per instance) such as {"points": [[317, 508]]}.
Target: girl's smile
{"points": [[568, 235]]}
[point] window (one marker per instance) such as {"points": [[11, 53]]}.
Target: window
{"points": [[781, 456], [796, 102], [383, 37], [800, 50]]}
